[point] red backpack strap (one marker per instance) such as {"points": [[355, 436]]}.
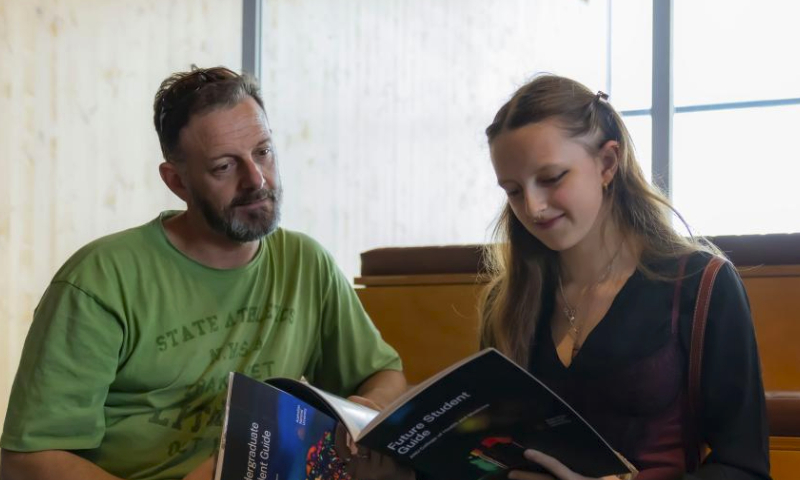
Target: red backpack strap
{"points": [[696, 356], [699, 331]]}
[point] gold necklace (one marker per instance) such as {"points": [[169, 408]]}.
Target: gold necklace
{"points": [[571, 312]]}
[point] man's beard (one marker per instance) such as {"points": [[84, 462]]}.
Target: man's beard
{"points": [[255, 224]]}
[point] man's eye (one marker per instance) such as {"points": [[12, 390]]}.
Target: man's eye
{"points": [[264, 152], [222, 168]]}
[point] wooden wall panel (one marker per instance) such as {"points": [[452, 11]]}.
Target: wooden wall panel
{"points": [[78, 152], [784, 457], [432, 320], [775, 303], [431, 326]]}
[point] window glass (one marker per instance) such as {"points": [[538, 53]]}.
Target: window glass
{"points": [[736, 171], [640, 129], [631, 54], [378, 109], [738, 51]]}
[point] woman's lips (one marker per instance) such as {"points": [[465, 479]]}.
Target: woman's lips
{"points": [[549, 223]]}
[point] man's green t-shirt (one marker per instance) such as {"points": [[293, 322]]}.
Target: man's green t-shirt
{"points": [[127, 359]]}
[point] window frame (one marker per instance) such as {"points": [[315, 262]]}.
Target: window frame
{"points": [[251, 37], [663, 108]]}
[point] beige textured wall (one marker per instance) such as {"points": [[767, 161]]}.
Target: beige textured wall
{"points": [[78, 153]]}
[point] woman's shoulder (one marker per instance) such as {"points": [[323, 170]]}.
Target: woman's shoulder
{"points": [[686, 272], [692, 264], [698, 260], [725, 283]]}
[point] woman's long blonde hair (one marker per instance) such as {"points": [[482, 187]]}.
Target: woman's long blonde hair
{"points": [[519, 266]]}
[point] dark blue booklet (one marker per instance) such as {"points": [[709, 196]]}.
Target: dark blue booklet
{"points": [[471, 421], [270, 434]]}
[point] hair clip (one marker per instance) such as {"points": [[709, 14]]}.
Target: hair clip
{"points": [[601, 95]]}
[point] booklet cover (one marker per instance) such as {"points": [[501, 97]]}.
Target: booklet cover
{"points": [[471, 421], [269, 434]]}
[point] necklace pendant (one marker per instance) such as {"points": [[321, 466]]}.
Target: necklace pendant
{"points": [[573, 326]]}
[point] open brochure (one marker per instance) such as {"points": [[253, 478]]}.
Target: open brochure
{"points": [[473, 420]]}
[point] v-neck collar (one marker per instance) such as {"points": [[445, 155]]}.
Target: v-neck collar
{"points": [[609, 315]]}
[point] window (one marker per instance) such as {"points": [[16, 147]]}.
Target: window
{"points": [[736, 98], [378, 108], [630, 71]]}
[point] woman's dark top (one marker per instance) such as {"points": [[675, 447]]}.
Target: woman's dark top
{"points": [[629, 379]]}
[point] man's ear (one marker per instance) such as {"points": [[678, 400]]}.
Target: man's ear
{"points": [[609, 160], [172, 177]]}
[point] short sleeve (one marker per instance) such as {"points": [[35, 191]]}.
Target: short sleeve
{"points": [[68, 362], [733, 409], [351, 348]]}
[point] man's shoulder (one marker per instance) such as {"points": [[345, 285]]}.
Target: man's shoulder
{"points": [[296, 253], [290, 242], [112, 249]]}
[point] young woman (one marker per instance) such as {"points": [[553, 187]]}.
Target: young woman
{"points": [[594, 291]]}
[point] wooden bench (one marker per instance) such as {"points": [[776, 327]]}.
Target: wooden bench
{"points": [[424, 302]]}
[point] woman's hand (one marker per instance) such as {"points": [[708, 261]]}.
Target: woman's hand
{"points": [[557, 470]]}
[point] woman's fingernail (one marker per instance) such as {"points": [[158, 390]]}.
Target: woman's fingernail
{"points": [[351, 445], [531, 454]]}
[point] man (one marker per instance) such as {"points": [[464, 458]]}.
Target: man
{"points": [[124, 370]]}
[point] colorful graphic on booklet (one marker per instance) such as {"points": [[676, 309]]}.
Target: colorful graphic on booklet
{"points": [[322, 461], [497, 453]]}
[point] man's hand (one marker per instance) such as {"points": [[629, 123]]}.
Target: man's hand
{"points": [[383, 387], [62, 465], [204, 471], [557, 470], [49, 465], [369, 465]]}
